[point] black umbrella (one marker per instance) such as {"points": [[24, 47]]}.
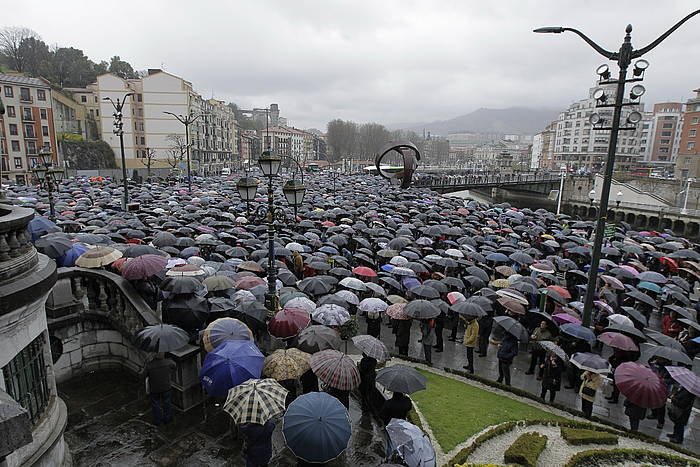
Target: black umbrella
{"points": [[315, 286], [161, 338], [468, 309], [181, 284], [512, 327], [421, 309], [401, 378]]}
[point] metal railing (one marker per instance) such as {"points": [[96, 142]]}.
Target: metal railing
{"points": [[477, 180]]}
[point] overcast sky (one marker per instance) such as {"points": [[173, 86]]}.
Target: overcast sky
{"points": [[375, 60]]}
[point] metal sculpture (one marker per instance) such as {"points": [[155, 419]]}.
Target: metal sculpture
{"points": [[410, 154]]}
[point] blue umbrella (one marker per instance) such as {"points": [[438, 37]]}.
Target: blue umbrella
{"points": [[387, 267], [411, 443], [650, 286], [229, 365], [316, 427], [578, 331], [39, 226], [498, 258], [410, 282], [69, 257]]}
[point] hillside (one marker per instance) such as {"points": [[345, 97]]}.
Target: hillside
{"points": [[518, 120]]}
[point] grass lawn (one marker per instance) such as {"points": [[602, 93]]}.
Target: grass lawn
{"points": [[455, 410]]}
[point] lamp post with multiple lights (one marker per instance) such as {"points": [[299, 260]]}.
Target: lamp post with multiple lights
{"points": [[119, 131], [624, 58], [49, 177], [187, 121]]}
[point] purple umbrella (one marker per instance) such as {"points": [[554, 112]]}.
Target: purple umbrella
{"points": [[143, 267], [565, 318], [685, 378], [641, 385]]}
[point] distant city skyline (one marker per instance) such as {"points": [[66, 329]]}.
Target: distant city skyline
{"points": [[388, 62]]}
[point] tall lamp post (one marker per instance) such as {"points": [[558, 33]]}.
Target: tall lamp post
{"points": [[619, 198], [49, 177], [119, 131], [561, 188], [687, 192], [591, 196], [623, 58], [187, 121], [293, 191]]}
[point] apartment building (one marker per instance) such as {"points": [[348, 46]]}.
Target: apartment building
{"points": [[660, 135], [301, 145], [72, 118], [542, 151], [688, 161], [582, 148], [26, 127]]}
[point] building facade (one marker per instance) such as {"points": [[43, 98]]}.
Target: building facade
{"points": [[303, 146], [72, 118], [582, 148], [660, 136], [26, 127], [542, 152], [688, 161]]}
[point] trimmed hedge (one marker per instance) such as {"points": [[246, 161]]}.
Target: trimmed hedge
{"points": [[526, 449], [607, 456], [579, 436], [615, 428]]}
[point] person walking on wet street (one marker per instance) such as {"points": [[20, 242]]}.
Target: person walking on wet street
{"points": [[485, 324], [427, 339], [158, 373], [551, 376], [590, 382], [635, 414], [507, 350], [679, 412], [403, 335], [258, 443], [471, 335], [397, 406]]}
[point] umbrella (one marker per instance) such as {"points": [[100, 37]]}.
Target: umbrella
{"points": [[255, 401], [222, 330], [143, 267], [423, 291], [578, 331], [315, 285], [286, 364], [98, 257], [618, 341], [560, 318], [288, 322], [512, 305], [181, 285], [669, 353], [469, 309], [401, 378], [318, 337], [397, 311], [335, 369], [364, 271], [512, 327], [590, 362], [353, 283], [373, 305], [161, 338], [316, 427], [53, 246], [620, 319], [685, 378], [652, 276], [641, 385], [411, 444], [665, 340], [550, 346], [330, 315], [71, 255], [217, 283], [39, 226], [372, 347], [421, 309], [229, 365]]}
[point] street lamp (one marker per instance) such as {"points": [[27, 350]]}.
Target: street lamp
{"points": [[623, 58], [619, 198], [187, 121], [247, 189], [49, 177], [119, 131], [591, 196], [561, 188], [687, 191]]}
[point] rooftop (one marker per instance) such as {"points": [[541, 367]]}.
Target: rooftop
{"points": [[23, 80]]}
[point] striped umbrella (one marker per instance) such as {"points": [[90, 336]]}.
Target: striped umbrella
{"points": [[286, 364], [641, 385], [685, 378], [225, 329], [255, 401], [372, 347], [98, 257], [335, 369]]}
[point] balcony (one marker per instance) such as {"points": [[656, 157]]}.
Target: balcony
{"points": [[17, 254], [24, 99]]}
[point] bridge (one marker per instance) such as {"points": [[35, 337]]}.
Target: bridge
{"points": [[541, 183]]}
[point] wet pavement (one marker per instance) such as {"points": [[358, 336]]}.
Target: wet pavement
{"points": [[110, 424]]}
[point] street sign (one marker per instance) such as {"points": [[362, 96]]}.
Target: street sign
{"points": [[609, 230]]}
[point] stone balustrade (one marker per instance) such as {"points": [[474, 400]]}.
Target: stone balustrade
{"points": [[17, 254], [94, 316]]}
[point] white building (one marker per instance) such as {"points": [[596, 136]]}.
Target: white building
{"points": [[536, 151]]}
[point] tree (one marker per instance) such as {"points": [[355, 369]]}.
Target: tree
{"points": [[372, 137], [148, 159], [36, 56], [176, 152], [121, 68], [11, 39], [71, 68], [342, 138]]}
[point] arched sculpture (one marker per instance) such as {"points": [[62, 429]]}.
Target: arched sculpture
{"points": [[410, 154]]}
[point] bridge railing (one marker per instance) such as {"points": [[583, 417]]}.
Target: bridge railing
{"points": [[482, 180]]}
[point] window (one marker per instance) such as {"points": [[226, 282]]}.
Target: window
{"points": [[143, 140], [83, 98], [42, 114], [31, 147], [139, 97], [25, 378], [11, 111], [692, 133], [45, 130], [41, 94], [18, 162], [29, 131], [669, 117], [13, 129], [27, 114], [665, 133], [15, 146], [665, 141], [25, 95], [694, 121], [668, 125], [691, 146], [9, 92], [688, 160], [663, 150]]}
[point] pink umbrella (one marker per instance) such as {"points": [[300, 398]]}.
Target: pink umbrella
{"points": [[143, 267], [248, 282], [613, 282], [565, 318], [641, 385], [396, 311], [604, 306], [454, 297], [617, 340], [630, 269]]}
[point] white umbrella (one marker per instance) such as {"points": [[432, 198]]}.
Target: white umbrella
{"points": [[373, 305], [620, 319], [353, 283]]}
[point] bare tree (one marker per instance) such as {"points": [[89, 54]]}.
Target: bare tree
{"points": [[372, 137], [177, 150], [11, 39], [342, 138], [148, 159]]}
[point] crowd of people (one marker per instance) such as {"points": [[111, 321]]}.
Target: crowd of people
{"points": [[363, 262]]}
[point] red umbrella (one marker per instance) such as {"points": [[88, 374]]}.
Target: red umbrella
{"points": [[672, 265], [561, 291], [288, 322], [641, 385], [617, 340], [143, 267], [248, 282], [364, 271]]}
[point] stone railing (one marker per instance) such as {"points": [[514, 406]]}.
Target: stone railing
{"points": [[17, 254], [96, 315]]}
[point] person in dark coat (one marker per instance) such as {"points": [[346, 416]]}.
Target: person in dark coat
{"points": [[370, 398], [439, 326], [291, 387], [426, 331], [507, 350], [258, 442], [341, 395], [485, 324], [681, 406], [397, 407], [374, 324], [309, 382], [159, 372], [551, 376], [403, 335], [635, 414]]}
